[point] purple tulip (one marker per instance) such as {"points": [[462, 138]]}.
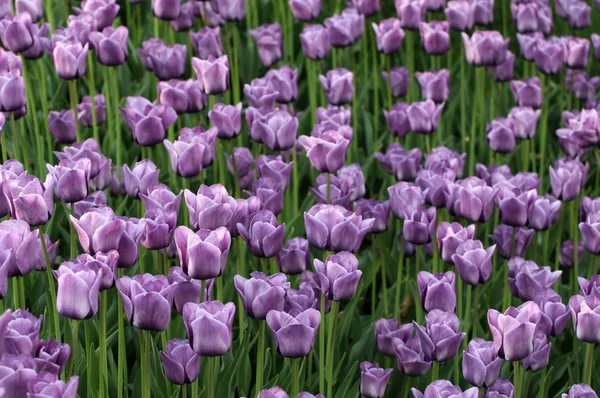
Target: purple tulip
{"points": [[373, 209], [202, 255], [274, 392], [473, 262], [315, 42], [62, 126], [418, 229], [514, 331], [584, 311], [543, 212], [187, 290], [305, 10], [338, 193], [180, 363], [72, 179], [444, 388], [353, 180], [527, 44], [373, 379], [424, 116], [21, 334], [269, 43], [540, 356], [596, 42], [294, 257], [30, 200], [367, 7], [580, 391], [78, 289], [141, 178], [549, 55], [505, 71], [567, 250], [285, 82], [435, 85], [577, 50], [397, 119], [502, 388], [243, 165], [211, 208], [193, 151], [405, 199], [398, 82], [526, 279], [483, 12], [389, 35], [275, 169], [184, 96], [388, 330], [583, 87], [148, 122], [12, 93], [567, 178], [207, 42], [338, 276], [435, 37], [345, 28], [277, 130], [527, 92], [524, 121], [334, 228], [450, 237], [84, 110], [17, 371], [500, 135], [212, 73], [208, 327], [460, 14], [532, 17], [165, 62], [104, 11], [503, 238], [325, 151], [146, 301], [402, 164], [185, 20], [261, 294], [110, 45], [555, 315], [17, 32], [480, 364], [410, 356], [294, 335], [579, 15], [514, 206], [49, 385], [51, 356], [440, 340], [437, 291], [485, 48], [338, 86], [167, 10], [411, 13], [264, 237]]}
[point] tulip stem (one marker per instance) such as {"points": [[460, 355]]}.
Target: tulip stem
{"points": [[544, 127], [235, 72], [328, 188], [260, 358], [195, 388], [383, 275], [480, 81], [122, 359], [468, 311], [312, 89], [74, 342], [295, 182], [322, 346], [333, 315], [589, 362], [399, 275], [463, 103], [184, 391], [74, 100], [517, 379], [558, 235], [435, 371], [147, 336], [575, 233], [103, 350], [115, 103], [13, 133], [33, 113], [295, 377], [92, 90], [241, 271], [50, 288], [211, 377], [44, 100], [3, 143], [20, 291], [88, 356]]}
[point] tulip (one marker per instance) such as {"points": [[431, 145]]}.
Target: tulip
{"points": [[30, 200], [261, 294], [315, 42], [72, 180], [397, 119], [185, 20], [40, 42], [503, 238], [373, 379], [447, 160], [285, 82], [210, 318], [590, 232], [567, 178], [524, 121], [338, 86], [410, 356], [338, 276], [483, 12], [12, 92], [111, 45], [166, 9], [187, 290], [500, 135], [21, 333], [51, 356], [389, 35], [389, 330], [202, 255], [402, 164], [480, 365], [526, 279], [435, 37], [444, 388], [183, 96], [473, 262], [270, 194], [294, 257], [264, 237], [193, 151], [16, 374], [345, 28], [274, 392], [501, 389], [532, 17], [398, 81], [566, 253], [305, 10], [584, 311], [549, 55], [277, 130], [540, 356], [294, 335], [62, 126], [244, 165], [424, 116], [596, 42], [543, 212], [514, 331], [582, 128], [148, 123], [260, 95], [207, 42], [411, 13], [555, 315], [527, 44], [485, 48], [104, 11], [450, 237], [141, 178], [373, 209], [434, 85], [460, 14], [437, 291], [180, 363], [49, 385], [212, 73], [583, 87], [580, 391], [418, 229], [17, 32], [166, 62], [211, 208], [577, 52], [78, 289], [405, 199], [269, 43], [514, 206], [579, 15], [527, 92], [326, 151], [274, 168], [84, 110], [146, 301], [353, 179], [334, 228], [100, 263], [505, 71], [367, 7], [34, 8], [440, 340]]}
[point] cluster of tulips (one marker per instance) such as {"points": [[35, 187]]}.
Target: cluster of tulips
{"points": [[399, 220]]}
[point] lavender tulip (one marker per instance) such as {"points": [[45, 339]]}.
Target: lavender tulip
{"points": [[111, 45], [338, 86], [473, 262], [84, 110], [148, 123], [411, 13], [166, 9], [367, 7], [49, 385], [185, 20], [524, 121], [212, 73], [397, 119], [325, 151], [193, 151], [527, 92], [261, 294], [389, 35], [146, 301], [141, 178], [566, 255], [315, 42], [577, 50], [207, 42], [338, 276], [398, 81], [485, 48], [441, 388], [62, 126], [30, 200], [402, 164], [567, 178], [440, 340], [388, 330], [460, 14], [373, 209], [583, 87], [503, 238], [345, 28], [514, 331], [500, 135], [51, 356], [165, 62], [410, 356], [543, 212], [16, 32], [264, 237], [434, 85], [373, 379], [437, 291], [232, 10], [72, 179], [353, 179], [180, 363], [187, 290], [555, 315], [269, 42], [514, 206], [481, 365], [12, 92], [549, 55], [532, 17], [21, 333], [418, 229], [305, 10], [78, 288], [244, 166], [424, 116], [334, 228], [580, 391], [405, 199], [275, 169], [526, 279], [213, 319], [104, 11], [579, 15], [274, 392], [277, 130], [294, 335], [435, 37], [294, 257], [183, 96], [505, 71]]}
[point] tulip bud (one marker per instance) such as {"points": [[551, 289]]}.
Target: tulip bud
{"points": [[514, 342], [180, 363], [441, 388], [166, 9], [398, 81], [111, 45], [435, 37], [460, 14], [261, 294], [208, 327], [345, 28], [269, 42], [62, 126], [373, 379], [411, 13], [481, 365], [315, 42], [397, 119], [305, 10], [389, 35], [146, 301], [334, 228], [212, 73], [424, 117], [435, 85], [294, 335], [485, 48]]}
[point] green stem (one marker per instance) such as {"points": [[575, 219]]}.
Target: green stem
{"points": [[467, 312], [49, 14], [589, 363], [260, 357], [375, 78], [383, 275], [331, 324], [211, 377], [295, 181], [21, 291], [148, 342], [241, 271], [506, 300], [122, 358], [435, 371], [74, 101], [235, 84], [203, 296], [517, 379], [544, 127], [558, 234], [74, 342], [88, 357], [295, 377], [33, 114], [575, 234], [463, 102], [14, 134], [92, 90], [322, 347], [312, 89], [103, 350], [399, 275], [50, 288], [479, 72], [328, 188], [115, 102]]}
